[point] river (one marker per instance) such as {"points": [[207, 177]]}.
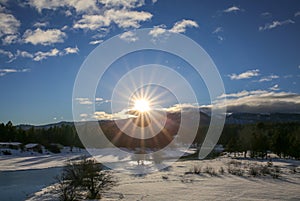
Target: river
{"points": [[18, 185]]}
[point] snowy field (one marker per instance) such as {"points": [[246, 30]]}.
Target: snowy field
{"points": [[29, 175]]}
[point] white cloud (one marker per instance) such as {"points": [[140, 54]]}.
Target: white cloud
{"points": [[84, 101], [99, 99], [40, 24], [92, 22], [268, 78], [242, 94], [232, 9], [6, 71], [71, 50], [68, 13], [101, 115], [218, 30], [9, 39], [88, 101], [158, 30], [42, 37], [86, 6], [129, 36], [275, 87], [64, 27], [275, 24], [246, 75], [297, 14], [23, 54], [180, 27], [126, 19], [123, 18], [182, 107], [266, 14], [123, 3], [7, 53], [38, 56], [9, 26], [260, 101], [95, 42], [220, 38]]}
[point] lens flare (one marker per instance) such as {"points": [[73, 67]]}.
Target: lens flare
{"points": [[141, 105]]}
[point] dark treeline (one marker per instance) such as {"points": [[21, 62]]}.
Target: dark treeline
{"points": [[64, 134], [282, 139]]}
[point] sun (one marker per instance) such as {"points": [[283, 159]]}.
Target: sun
{"points": [[141, 105]]}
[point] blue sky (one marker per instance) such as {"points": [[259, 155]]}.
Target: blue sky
{"points": [[254, 44]]}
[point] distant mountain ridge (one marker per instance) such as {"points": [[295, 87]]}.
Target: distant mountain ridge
{"points": [[231, 118]]}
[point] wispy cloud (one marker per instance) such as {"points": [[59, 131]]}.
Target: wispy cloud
{"points": [[232, 9], [7, 53], [127, 18], [95, 42], [20, 53], [85, 6], [129, 36], [245, 75], [178, 27], [24, 54], [122, 18], [268, 78], [38, 56], [123, 3], [88, 101], [9, 39], [275, 24], [218, 30], [92, 22], [71, 50], [158, 30], [275, 87], [266, 14], [44, 37], [9, 26], [297, 14], [5, 71], [84, 101], [41, 24]]}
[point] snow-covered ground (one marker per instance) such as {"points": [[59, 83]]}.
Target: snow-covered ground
{"points": [[179, 183], [30, 175], [29, 160]]}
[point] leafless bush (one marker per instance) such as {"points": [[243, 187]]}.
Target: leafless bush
{"points": [[84, 178]]}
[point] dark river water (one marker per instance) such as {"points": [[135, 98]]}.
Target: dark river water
{"points": [[18, 185]]}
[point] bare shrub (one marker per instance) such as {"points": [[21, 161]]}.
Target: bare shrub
{"points": [[221, 171], [85, 177]]}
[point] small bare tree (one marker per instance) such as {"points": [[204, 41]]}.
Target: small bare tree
{"points": [[85, 177]]}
